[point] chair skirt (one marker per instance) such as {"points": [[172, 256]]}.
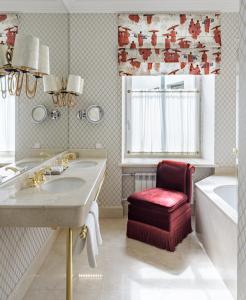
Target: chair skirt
{"points": [[165, 239]]}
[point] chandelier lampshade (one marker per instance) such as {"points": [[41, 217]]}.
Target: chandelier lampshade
{"points": [[50, 83], [63, 91], [26, 52], [43, 62], [22, 60], [75, 84], [3, 55], [81, 86]]}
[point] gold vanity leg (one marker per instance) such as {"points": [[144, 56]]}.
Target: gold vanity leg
{"points": [[69, 266]]}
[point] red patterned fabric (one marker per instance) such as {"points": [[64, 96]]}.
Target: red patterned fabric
{"points": [[156, 216], [167, 200], [9, 24], [157, 44]]}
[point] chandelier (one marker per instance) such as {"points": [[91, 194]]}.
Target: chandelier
{"points": [[21, 65], [63, 91]]}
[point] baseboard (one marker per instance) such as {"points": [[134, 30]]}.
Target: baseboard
{"points": [[111, 212], [125, 207], [26, 281]]}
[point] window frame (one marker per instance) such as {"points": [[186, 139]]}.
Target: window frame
{"points": [[127, 87], [10, 152]]}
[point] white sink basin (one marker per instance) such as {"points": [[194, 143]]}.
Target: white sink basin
{"points": [[83, 164], [63, 185], [27, 164]]}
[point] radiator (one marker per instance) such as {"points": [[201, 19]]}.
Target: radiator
{"points": [[144, 181]]}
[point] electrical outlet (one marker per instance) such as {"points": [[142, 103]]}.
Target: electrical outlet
{"points": [[99, 146]]}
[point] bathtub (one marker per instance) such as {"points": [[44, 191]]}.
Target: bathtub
{"points": [[216, 224]]}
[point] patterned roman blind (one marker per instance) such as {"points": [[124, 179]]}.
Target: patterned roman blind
{"points": [[9, 24], [156, 44]]}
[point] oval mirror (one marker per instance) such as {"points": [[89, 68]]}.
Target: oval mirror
{"points": [[94, 113], [39, 113]]}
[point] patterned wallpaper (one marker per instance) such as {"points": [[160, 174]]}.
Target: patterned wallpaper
{"points": [[52, 31], [225, 104], [242, 158], [19, 246], [93, 54]]}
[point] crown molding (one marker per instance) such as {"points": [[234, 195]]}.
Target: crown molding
{"points": [[117, 6]]}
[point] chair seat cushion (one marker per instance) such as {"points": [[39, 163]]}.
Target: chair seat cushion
{"points": [[166, 200], [156, 217]]}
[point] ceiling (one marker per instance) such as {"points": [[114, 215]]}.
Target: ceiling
{"points": [[110, 6]]}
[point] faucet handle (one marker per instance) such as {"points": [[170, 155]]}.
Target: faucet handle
{"points": [[46, 170], [70, 156], [39, 176]]}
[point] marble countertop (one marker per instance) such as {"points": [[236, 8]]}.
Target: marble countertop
{"points": [[38, 208]]}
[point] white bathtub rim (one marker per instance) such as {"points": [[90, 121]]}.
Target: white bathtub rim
{"points": [[207, 186]]}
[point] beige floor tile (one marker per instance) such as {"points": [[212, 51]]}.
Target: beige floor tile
{"points": [[130, 270]]}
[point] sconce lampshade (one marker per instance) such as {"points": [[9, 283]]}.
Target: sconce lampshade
{"points": [[26, 52], [43, 61], [50, 84], [3, 58], [75, 84], [81, 86]]}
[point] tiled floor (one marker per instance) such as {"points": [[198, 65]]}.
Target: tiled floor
{"points": [[130, 270]]}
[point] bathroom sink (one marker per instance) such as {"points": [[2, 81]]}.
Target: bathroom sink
{"points": [[83, 164], [63, 185], [27, 164]]}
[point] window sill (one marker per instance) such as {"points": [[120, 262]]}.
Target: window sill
{"points": [[152, 162]]}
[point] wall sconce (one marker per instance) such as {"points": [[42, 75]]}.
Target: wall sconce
{"points": [[93, 114], [26, 59], [63, 91]]}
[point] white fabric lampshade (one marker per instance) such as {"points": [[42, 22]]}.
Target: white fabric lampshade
{"points": [[75, 84], [43, 61], [81, 86], [50, 84], [26, 52], [3, 58]]}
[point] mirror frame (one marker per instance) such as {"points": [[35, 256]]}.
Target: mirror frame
{"points": [[100, 110], [45, 116]]}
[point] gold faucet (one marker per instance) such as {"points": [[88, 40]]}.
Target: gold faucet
{"points": [[70, 156], [63, 162], [37, 179], [14, 169]]}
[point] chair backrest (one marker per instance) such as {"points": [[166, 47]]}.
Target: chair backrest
{"points": [[176, 176]]}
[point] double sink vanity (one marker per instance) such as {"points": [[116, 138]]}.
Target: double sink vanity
{"points": [[35, 198]]}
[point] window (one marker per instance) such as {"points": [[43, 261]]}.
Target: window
{"points": [[162, 115], [7, 124]]}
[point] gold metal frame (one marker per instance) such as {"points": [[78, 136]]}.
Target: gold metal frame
{"points": [[69, 253], [69, 265]]}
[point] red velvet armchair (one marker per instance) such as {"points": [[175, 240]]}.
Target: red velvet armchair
{"points": [[161, 216]]}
